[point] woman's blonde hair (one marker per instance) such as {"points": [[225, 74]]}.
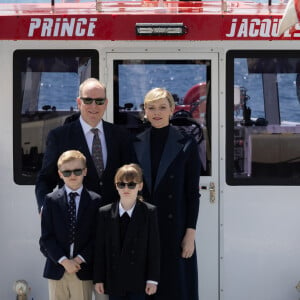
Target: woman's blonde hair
{"points": [[157, 94]]}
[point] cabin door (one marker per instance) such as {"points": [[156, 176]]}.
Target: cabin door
{"points": [[192, 78]]}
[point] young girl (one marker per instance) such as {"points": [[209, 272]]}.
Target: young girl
{"points": [[127, 242]]}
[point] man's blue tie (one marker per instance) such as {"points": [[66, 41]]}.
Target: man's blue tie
{"points": [[72, 217]]}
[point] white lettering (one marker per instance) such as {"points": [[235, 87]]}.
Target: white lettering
{"points": [[264, 28], [253, 31], [243, 30], [80, 31], [46, 27], [34, 24], [67, 27], [232, 29], [275, 27], [92, 26], [61, 27], [56, 27]]}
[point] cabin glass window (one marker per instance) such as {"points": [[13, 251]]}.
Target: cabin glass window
{"points": [[187, 80], [45, 88], [263, 117]]}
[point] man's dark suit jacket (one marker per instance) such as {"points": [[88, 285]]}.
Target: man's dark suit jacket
{"points": [[54, 242], [126, 269], [71, 137]]}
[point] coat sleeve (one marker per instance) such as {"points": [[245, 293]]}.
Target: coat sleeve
{"points": [[153, 262], [48, 240], [99, 259], [192, 177]]}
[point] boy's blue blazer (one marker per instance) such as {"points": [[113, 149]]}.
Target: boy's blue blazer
{"points": [[54, 232]]}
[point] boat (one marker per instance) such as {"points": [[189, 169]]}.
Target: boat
{"points": [[227, 67]]}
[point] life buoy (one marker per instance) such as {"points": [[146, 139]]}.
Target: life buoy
{"points": [[195, 99]]}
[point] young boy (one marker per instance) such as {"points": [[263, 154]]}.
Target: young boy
{"points": [[127, 242], [68, 232]]}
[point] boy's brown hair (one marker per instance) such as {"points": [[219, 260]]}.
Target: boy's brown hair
{"points": [[130, 172]]}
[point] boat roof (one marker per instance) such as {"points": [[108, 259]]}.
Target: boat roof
{"points": [[144, 7], [117, 20]]}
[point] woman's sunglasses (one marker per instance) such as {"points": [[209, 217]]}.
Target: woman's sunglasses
{"points": [[130, 185], [67, 173]]}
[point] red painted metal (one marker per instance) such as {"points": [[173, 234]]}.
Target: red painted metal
{"points": [[117, 20]]}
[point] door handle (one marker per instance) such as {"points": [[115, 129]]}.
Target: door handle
{"points": [[212, 192]]}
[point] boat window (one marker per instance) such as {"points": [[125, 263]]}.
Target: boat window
{"points": [[45, 88], [189, 83], [263, 117]]}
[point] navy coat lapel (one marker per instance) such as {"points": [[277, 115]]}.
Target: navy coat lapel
{"points": [[172, 147], [80, 138], [142, 150], [83, 203], [63, 203]]}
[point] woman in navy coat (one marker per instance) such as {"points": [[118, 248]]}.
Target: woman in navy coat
{"points": [[171, 167]]}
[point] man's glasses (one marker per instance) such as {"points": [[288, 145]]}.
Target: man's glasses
{"points": [[67, 173], [98, 101], [130, 185]]}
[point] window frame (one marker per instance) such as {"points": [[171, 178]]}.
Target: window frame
{"points": [[19, 58], [231, 55]]}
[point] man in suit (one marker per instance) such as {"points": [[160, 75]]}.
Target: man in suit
{"points": [[68, 232], [115, 143]]}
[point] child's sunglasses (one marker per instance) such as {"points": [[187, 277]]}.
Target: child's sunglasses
{"points": [[67, 173], [130, 185]]}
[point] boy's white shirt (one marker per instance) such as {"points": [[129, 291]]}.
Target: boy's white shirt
{"points": [[122, 210]]}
